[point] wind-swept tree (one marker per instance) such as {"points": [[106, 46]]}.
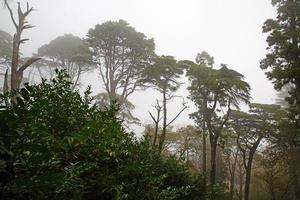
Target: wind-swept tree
{"points": [[251, 128], [121, 54], [67, 52], [163, 76], [214, 93]]}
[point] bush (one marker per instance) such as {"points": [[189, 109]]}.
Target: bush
{"points": [[56, 144]]}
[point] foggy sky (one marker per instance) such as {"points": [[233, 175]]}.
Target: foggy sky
{"points": [[230, 30]]}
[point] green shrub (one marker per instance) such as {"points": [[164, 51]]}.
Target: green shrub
{"points": [[56, 144]]}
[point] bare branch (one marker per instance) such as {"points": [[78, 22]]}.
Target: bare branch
{"points": [[27, 64], [185, 107], [23, 40], [11, 14], [27, 27], [152, 117]]}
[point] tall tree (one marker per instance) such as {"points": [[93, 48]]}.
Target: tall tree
{"points": [[251, 128], [163, 75], [203, 59], [17, 65], [283, 58], [65, 52], [215, 92], [121, 54], [283, 63]]}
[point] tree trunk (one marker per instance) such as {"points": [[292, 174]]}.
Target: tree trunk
{"points": [[213, 167], [155, 134], [204, 147], [15, 61], [112, 93], [232, 176], [241, 183], [164, 128], [248, 175], [231, 190], [204, 135]]}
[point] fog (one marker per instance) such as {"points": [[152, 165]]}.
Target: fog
{"points": [[230, 30]]}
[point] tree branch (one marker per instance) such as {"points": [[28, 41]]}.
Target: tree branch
{"points": [[27, 64], [11, 14], [155, 121], [185, 107]]}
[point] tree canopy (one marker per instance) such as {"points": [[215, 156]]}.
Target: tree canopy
{"points": [[121, 54], [65, 52]]}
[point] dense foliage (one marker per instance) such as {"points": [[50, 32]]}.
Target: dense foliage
{"points": [[121, 54], [56, 144]]}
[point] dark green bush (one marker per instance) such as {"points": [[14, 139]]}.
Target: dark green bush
{"points": [[56, 144]]}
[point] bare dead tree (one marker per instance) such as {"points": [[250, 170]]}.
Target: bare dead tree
{"points": [[17, 65]]}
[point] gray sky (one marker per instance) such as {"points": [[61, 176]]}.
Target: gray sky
{"points": [[230, 30]]}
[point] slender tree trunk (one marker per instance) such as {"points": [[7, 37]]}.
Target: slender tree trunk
{"points": [[204, 147], [232, 176], [15, 61], [248, 175], [231, 190], [204, 134], [164, 128], [213, 167], [155, 134], [241, 183], [75, 83]]}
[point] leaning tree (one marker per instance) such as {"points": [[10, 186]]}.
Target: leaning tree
{"points": [[250, 129], [215, 92]]}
